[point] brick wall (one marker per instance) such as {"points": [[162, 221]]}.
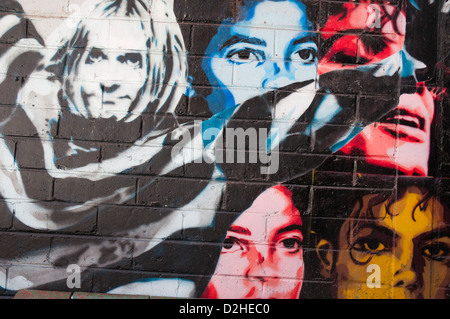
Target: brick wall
{"points": [[118, 119]]}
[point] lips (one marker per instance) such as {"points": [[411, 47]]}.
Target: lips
{"points": [[404, 125]]}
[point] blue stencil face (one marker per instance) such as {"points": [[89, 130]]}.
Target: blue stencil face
{"points": [[271, 47]]}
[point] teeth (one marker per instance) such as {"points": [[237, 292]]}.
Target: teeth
{"points": [[405, 118]]}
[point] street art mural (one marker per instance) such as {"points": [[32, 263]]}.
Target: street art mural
{"points": [[389, 142], [402, 238], [262, 255], [81, 89], [225, 149]]}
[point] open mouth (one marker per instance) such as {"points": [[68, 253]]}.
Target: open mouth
{"points": [[404, 117], [403, 124]]}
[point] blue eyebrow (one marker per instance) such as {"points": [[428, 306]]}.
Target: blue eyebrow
{"points": [[242, 39]]}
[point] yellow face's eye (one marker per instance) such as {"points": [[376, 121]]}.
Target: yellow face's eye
{"points": [[436, 251], [374, 246], [370, 245]]}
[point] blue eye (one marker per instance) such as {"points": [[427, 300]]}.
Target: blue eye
{"points": [[305, 55], [244, 56]]}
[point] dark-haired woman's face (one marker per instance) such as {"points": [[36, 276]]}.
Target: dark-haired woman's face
{"points": [[403, 254], [262, 256], [271, 48]]}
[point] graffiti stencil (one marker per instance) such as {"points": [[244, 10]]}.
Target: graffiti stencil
{"points": [[241, 149]]}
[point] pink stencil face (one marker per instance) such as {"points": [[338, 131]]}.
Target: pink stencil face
{"points": [[262, 256], [402, 138], [367, 32]]}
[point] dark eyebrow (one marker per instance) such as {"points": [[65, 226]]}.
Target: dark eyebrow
{"points": [[380, 229], [240, 230], [309, 38], [242, 39], [290, 228], [435, 234]]}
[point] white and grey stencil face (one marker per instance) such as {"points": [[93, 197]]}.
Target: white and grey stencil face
{"points": [[112, 70]]}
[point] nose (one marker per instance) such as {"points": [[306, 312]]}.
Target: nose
{"points": [[277, 75], [406, 279], [405, 275], [260, 265]]}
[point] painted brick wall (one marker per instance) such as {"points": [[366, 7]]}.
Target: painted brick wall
{"points": [[225, 149]]}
